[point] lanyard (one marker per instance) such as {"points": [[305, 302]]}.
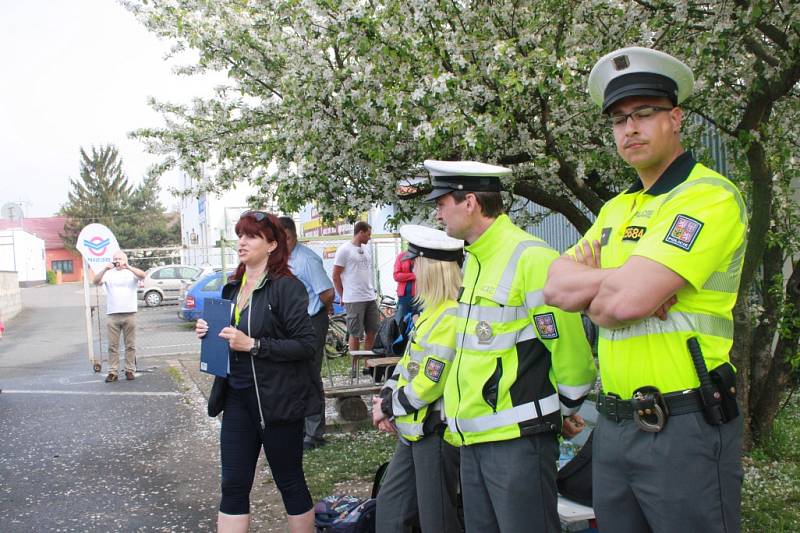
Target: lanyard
{"points": [[236, 310]]}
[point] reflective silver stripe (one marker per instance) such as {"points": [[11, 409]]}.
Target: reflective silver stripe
{"points": [[675, 322], [534, 299], [390, 384], [722, 282], [411, 396], [503, 341], [452, 311], [728, 281], [400, 369], [409, 428], [504, 285], [492, 314], [574, 392], [717, 181], [515, 415], [444, 353]]}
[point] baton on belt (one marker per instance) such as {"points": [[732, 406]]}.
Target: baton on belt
{"points": [[709, 394]]}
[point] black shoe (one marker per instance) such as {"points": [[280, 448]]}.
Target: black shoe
{"points": [[313, 443], [111, 377]]}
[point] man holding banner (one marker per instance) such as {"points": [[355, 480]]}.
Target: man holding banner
{"points": [[120, 281]]}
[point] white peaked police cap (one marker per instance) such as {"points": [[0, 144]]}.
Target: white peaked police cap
{"points": [[472, 176], [637, 71], [431, 243]]}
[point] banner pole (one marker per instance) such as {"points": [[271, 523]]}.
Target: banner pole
{"points": [[88, 314]]}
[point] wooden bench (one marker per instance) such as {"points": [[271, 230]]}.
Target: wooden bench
{"points": [[352, 390], [349, 404], [377, 362]]}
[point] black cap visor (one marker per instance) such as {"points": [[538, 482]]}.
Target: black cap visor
{"points": [[435, 194], [432, 253], [640, 84]]}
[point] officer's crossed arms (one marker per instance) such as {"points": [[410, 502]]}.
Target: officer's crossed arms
{"points": [[611, 297]]}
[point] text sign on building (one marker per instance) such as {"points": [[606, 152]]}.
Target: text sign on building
{"points": [[97, 245]]}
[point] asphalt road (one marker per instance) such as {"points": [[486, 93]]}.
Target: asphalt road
{"points": [[78, 454]]}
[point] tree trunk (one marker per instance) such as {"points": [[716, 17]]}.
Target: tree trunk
{"points": [[766, 408]]}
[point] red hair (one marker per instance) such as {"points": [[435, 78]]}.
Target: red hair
{"points": [[268, 228]]}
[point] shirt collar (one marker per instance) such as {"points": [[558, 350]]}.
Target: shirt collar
{"points": [[675, 174], [491, 237]]}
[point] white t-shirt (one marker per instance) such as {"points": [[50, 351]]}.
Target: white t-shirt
{"points": [[120, 288], [357, 274]]}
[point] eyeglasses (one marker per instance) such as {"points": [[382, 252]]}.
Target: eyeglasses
{"points": [[640, 113]]}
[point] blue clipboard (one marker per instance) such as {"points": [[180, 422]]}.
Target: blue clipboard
{"points": [[214, 349]]}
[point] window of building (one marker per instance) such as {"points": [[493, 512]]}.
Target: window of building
{"points": [[64, 266]]}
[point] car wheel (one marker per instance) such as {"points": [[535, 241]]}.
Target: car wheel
{"points": [[152, 299]]}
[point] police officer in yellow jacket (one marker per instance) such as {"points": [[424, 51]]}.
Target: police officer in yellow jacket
{"points": [[659, 272], [422, 478], [520, 367]]}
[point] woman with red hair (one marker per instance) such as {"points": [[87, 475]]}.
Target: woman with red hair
{"points": [[270, 387]]}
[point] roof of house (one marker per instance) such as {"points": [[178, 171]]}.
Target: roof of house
{"points": [[46, 228]]}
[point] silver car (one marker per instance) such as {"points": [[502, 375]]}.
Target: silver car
{"points": [[164, 283]]}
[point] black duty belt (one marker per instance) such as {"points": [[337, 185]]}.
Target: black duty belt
{"points": [[679, 403]]}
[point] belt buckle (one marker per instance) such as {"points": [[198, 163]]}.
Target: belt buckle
{"points": [[650, 411]]}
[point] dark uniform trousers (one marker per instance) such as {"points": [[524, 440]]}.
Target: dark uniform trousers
{"points": [[686, 478], [315, 424], [422, 479], [509, 486]]}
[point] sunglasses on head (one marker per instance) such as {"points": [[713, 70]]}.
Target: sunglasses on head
{"points": [[258, 215]]}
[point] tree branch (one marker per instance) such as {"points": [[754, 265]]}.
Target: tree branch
{"points": [[559, 204]]}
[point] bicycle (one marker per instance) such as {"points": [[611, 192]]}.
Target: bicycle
{"points": [[336, 338]]}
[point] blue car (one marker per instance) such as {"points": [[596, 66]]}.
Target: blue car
{"points": [[209, 286]]}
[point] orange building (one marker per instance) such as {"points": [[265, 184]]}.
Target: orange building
{"points": [[57, 257]]}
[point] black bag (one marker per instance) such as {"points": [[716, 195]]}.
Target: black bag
{"points": [[392, 337], [216, 399], [574, 480]]}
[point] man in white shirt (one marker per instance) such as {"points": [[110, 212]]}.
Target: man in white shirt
{"points": [[352, 278], [120, 281]]}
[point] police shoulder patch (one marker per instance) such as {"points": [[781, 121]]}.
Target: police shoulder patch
{"points": [[434, 369], [546, 325], [683, 232]]}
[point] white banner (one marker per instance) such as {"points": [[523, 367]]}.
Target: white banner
{"points": [[97, 245]]}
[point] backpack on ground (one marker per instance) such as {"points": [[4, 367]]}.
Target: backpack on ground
{"points": [[345, 514], [348, 514]]}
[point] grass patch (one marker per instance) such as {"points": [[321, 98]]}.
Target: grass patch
{"points": [[186, 325], [346, 457], [177, 377], [771, 489]]}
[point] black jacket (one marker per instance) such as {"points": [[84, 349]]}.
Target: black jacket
{"points": [[284, 371]]}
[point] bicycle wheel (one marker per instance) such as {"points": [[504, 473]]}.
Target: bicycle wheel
{"points": [[335, 346]]}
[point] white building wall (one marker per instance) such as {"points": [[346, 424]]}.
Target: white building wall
{"points": [[205, 218], [23, 253]]}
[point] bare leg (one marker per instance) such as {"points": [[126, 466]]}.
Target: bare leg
{"points": [[369, 340], [301, 523], [233, 523], [353, 342]]}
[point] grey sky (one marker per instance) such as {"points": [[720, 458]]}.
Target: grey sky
{"points": [[77, 73]]}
